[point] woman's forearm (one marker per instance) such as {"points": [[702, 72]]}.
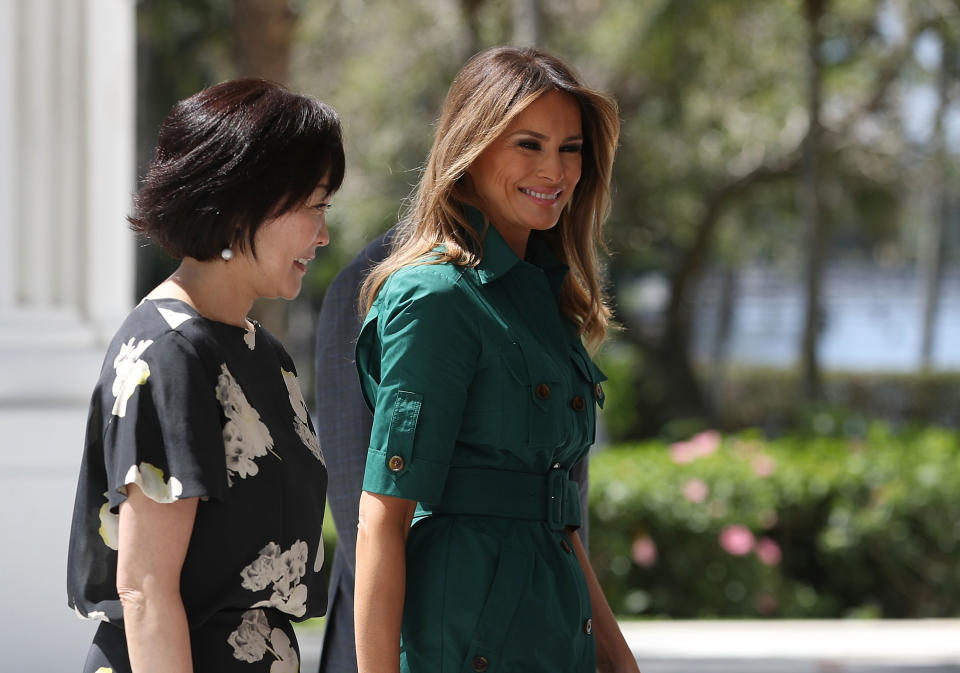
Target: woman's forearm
{"points": [[380, 582], [613, 653], [158, 639], [378, 600]]}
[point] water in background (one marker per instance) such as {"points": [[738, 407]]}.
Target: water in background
{"points": [[872, 320]]}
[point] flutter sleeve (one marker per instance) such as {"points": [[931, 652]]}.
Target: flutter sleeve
{"points": [[163, 425], [416, 355]]}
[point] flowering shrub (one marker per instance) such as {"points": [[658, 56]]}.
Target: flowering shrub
{"points": [[800, 526]]}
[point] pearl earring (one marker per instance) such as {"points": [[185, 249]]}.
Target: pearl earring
{"points": [[227, 254]]}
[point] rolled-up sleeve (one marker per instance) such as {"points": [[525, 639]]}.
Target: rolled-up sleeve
{"points": [[416, 357]]}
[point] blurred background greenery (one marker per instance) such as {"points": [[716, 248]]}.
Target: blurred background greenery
{"points": [[785, 167]]}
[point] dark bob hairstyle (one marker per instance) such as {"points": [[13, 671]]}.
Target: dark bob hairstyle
{"points": [[231, 157]]}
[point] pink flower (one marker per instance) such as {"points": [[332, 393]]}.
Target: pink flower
{"points": [[701, 444], [696, 490], [644, 551], [737, 540], [763, 465], [680, 452], [766, 604], [768, 551]]}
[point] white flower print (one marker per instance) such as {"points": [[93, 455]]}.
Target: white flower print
{"points": [[95, 615], [265, 570], [250, 338], [109, 525], [309, 439], [318, 561], [131, 372], [283, 570], [293, 562], [245, 437], [151, 482], [287, 659], [173, 318], [296, 396], [254, 638], [237, 452], [300, 423], [289, 599], [249, 641]]}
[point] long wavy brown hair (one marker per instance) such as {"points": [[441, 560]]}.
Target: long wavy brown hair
{"points": [[488, 93]]}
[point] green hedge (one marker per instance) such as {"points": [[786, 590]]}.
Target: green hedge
{"points": [[800, 526]]}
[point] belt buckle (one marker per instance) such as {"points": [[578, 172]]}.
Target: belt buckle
{"points": [[556, 489]]}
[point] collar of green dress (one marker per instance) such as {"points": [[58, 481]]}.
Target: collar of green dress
{"points": [[499, 259]]}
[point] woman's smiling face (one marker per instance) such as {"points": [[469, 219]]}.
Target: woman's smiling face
{"points": [[286, 244], [527, 175]]}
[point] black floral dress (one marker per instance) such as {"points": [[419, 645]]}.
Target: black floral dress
{"points": [[189, 407]]}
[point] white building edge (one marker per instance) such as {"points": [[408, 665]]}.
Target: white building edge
{"points": [[66, 280]]}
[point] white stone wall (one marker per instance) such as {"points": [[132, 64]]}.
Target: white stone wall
{"points": [[66, 280]]}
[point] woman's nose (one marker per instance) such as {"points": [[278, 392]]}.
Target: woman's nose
{"points": [[323, 235], [551, 166]]}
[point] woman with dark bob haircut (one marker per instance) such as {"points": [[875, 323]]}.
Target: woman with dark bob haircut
{"points": [[196, 528]]}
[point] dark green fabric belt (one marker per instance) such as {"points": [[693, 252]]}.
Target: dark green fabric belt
{"points": [[553, 498]]}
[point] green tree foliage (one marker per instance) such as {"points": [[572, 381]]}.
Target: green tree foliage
{"points": [[385, 67], [847, 519], [182, 47], [716, 108], [715, 104]]}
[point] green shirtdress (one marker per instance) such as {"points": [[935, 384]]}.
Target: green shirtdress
{"points": [[483, 398]]}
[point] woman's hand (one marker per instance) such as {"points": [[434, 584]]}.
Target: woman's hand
{"points": [[381, 580], [153, 542], [613, 653]]}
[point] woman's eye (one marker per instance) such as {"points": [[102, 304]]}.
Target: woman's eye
{"points": [[321, 207], [572, 148], [529, 145]]}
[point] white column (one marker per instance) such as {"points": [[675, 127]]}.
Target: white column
{"points": [[8, 123], [70, 175], [111, 129], [68, 120], [66, 280], [36, 151]]}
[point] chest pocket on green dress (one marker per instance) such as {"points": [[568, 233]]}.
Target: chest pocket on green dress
{"points": [[588, 391], [531, 395]]}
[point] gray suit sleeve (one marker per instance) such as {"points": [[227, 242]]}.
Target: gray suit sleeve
{"points": [[343, 426], [343, 420]]}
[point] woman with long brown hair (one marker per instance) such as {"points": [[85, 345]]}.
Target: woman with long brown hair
{"points": [[472, 358]]}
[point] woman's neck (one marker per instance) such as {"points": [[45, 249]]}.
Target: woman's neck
{"points": [[210, 288]]}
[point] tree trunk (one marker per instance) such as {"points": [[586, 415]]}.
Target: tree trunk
{"points": [[726, 313], [729, 281], [809, 206], [262, 36], [471, 18], [932, 257], [671, 348], [526, 23]]}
